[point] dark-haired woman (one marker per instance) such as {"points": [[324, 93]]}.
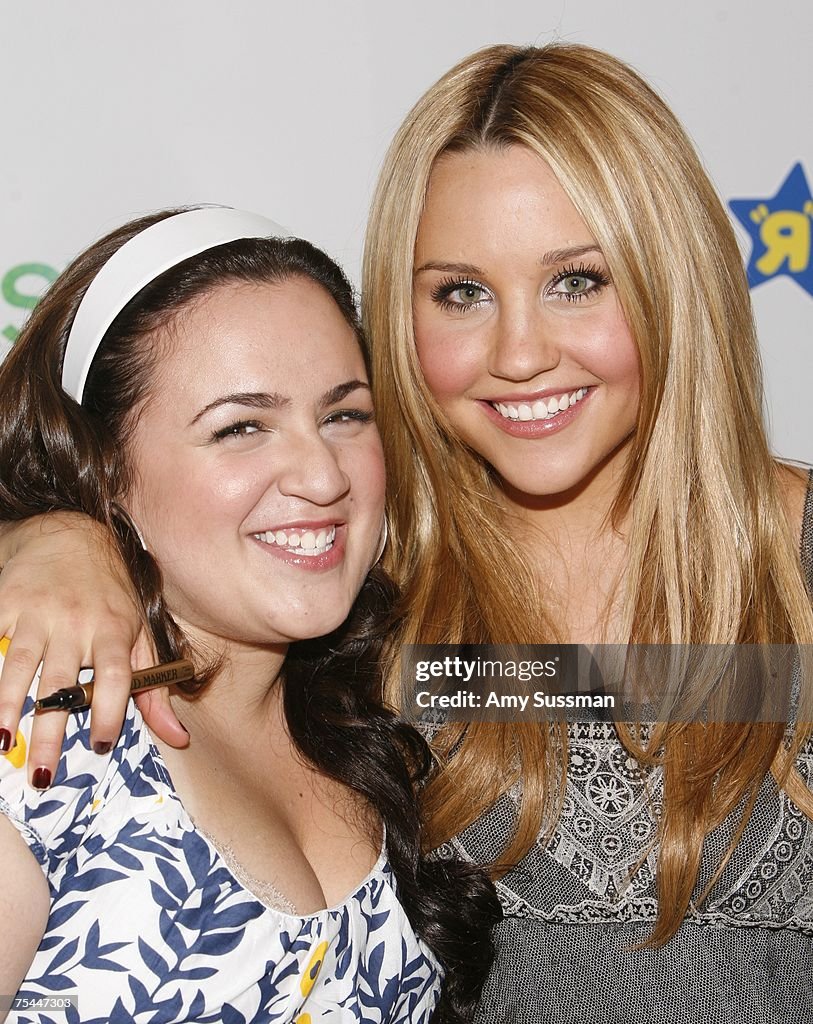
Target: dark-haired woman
{"points": [[201, 387]]}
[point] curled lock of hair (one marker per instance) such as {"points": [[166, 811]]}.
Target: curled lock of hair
{"points": [[348, 732]]}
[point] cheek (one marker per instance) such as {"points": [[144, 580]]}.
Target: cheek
{"points": [[626, 364], [364, 466], [611, 353], [229, 487], [451, 359], [179, 502]]}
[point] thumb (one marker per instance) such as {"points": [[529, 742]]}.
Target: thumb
{"points": [[156, 708]]}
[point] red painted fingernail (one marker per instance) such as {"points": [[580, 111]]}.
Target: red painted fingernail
{"points": [[5, 741], [102, 747], [41, 779]]}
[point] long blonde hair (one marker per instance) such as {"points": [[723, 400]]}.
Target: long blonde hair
{"points": [[712, 557]]}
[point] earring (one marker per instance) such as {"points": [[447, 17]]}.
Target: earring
{"points": [[128, 521]]}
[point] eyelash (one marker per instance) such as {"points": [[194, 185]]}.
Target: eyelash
{"points": [[354, 415], [588, 271], [236, 429], [444, 289], [240, 427]]}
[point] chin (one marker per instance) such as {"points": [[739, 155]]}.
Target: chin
{"points": [[541, 483], [561, 477], [316, 627]]}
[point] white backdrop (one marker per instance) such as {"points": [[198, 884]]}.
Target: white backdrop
{"points": [[111, 109]]}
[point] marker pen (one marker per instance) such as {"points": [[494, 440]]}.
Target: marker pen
{"points": [[81, 695]]}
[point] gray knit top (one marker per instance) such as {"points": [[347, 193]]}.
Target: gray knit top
{"points": [[565, 950]]}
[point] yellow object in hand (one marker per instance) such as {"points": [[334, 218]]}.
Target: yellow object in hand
{"points": [[17, 753]]}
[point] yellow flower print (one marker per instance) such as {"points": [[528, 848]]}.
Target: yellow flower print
{"points": [[17, 753], [311, 974]]}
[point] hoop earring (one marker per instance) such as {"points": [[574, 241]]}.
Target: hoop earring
{"points": [[128, 521]]}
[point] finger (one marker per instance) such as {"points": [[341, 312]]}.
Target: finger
{"points": [[22, 654], [156, 708], [112, 676], [60, 669], [47, 735], [143, 653]]}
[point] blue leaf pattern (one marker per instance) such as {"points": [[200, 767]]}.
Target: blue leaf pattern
{"points": [[149, 926]]}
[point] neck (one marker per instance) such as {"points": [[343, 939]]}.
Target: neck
{"points": [[581, 514], [243, 696], [576, 550]]}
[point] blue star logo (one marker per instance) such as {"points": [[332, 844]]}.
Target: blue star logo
{"points": [[780, 230]]}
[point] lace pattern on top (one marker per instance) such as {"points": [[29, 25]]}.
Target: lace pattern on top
{"points": [[599, 864], [265, 892]]}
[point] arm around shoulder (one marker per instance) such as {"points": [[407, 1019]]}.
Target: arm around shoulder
{"points": [[66, 601]]}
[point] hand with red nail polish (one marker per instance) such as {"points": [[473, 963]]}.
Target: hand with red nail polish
{"points": [[66, 602]]}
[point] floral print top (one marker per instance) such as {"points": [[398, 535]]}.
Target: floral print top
{"points": [[148, 923]]}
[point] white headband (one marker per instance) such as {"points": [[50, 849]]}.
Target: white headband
{"points": [[152, 252]]}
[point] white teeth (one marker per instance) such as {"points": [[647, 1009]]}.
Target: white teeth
{"points": [[309, 543], [541, 409]]}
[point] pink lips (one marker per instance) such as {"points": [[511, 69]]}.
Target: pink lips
{"points": [[534, 428], [542, 394], [300, 525], [313, 563]]}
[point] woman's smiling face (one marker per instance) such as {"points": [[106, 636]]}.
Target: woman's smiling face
{"points": [[259, 476], [518, 329]]}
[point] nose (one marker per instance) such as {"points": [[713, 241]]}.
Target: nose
{"points": [[313, 471], [523, 345]]}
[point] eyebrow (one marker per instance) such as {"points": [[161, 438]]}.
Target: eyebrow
{"points": [[273, 400], [573, 252], [451, 268], [252, 399], [546, 259], [341, 391]]}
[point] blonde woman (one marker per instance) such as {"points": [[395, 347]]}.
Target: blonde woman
{"points": [[569, 386]]}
